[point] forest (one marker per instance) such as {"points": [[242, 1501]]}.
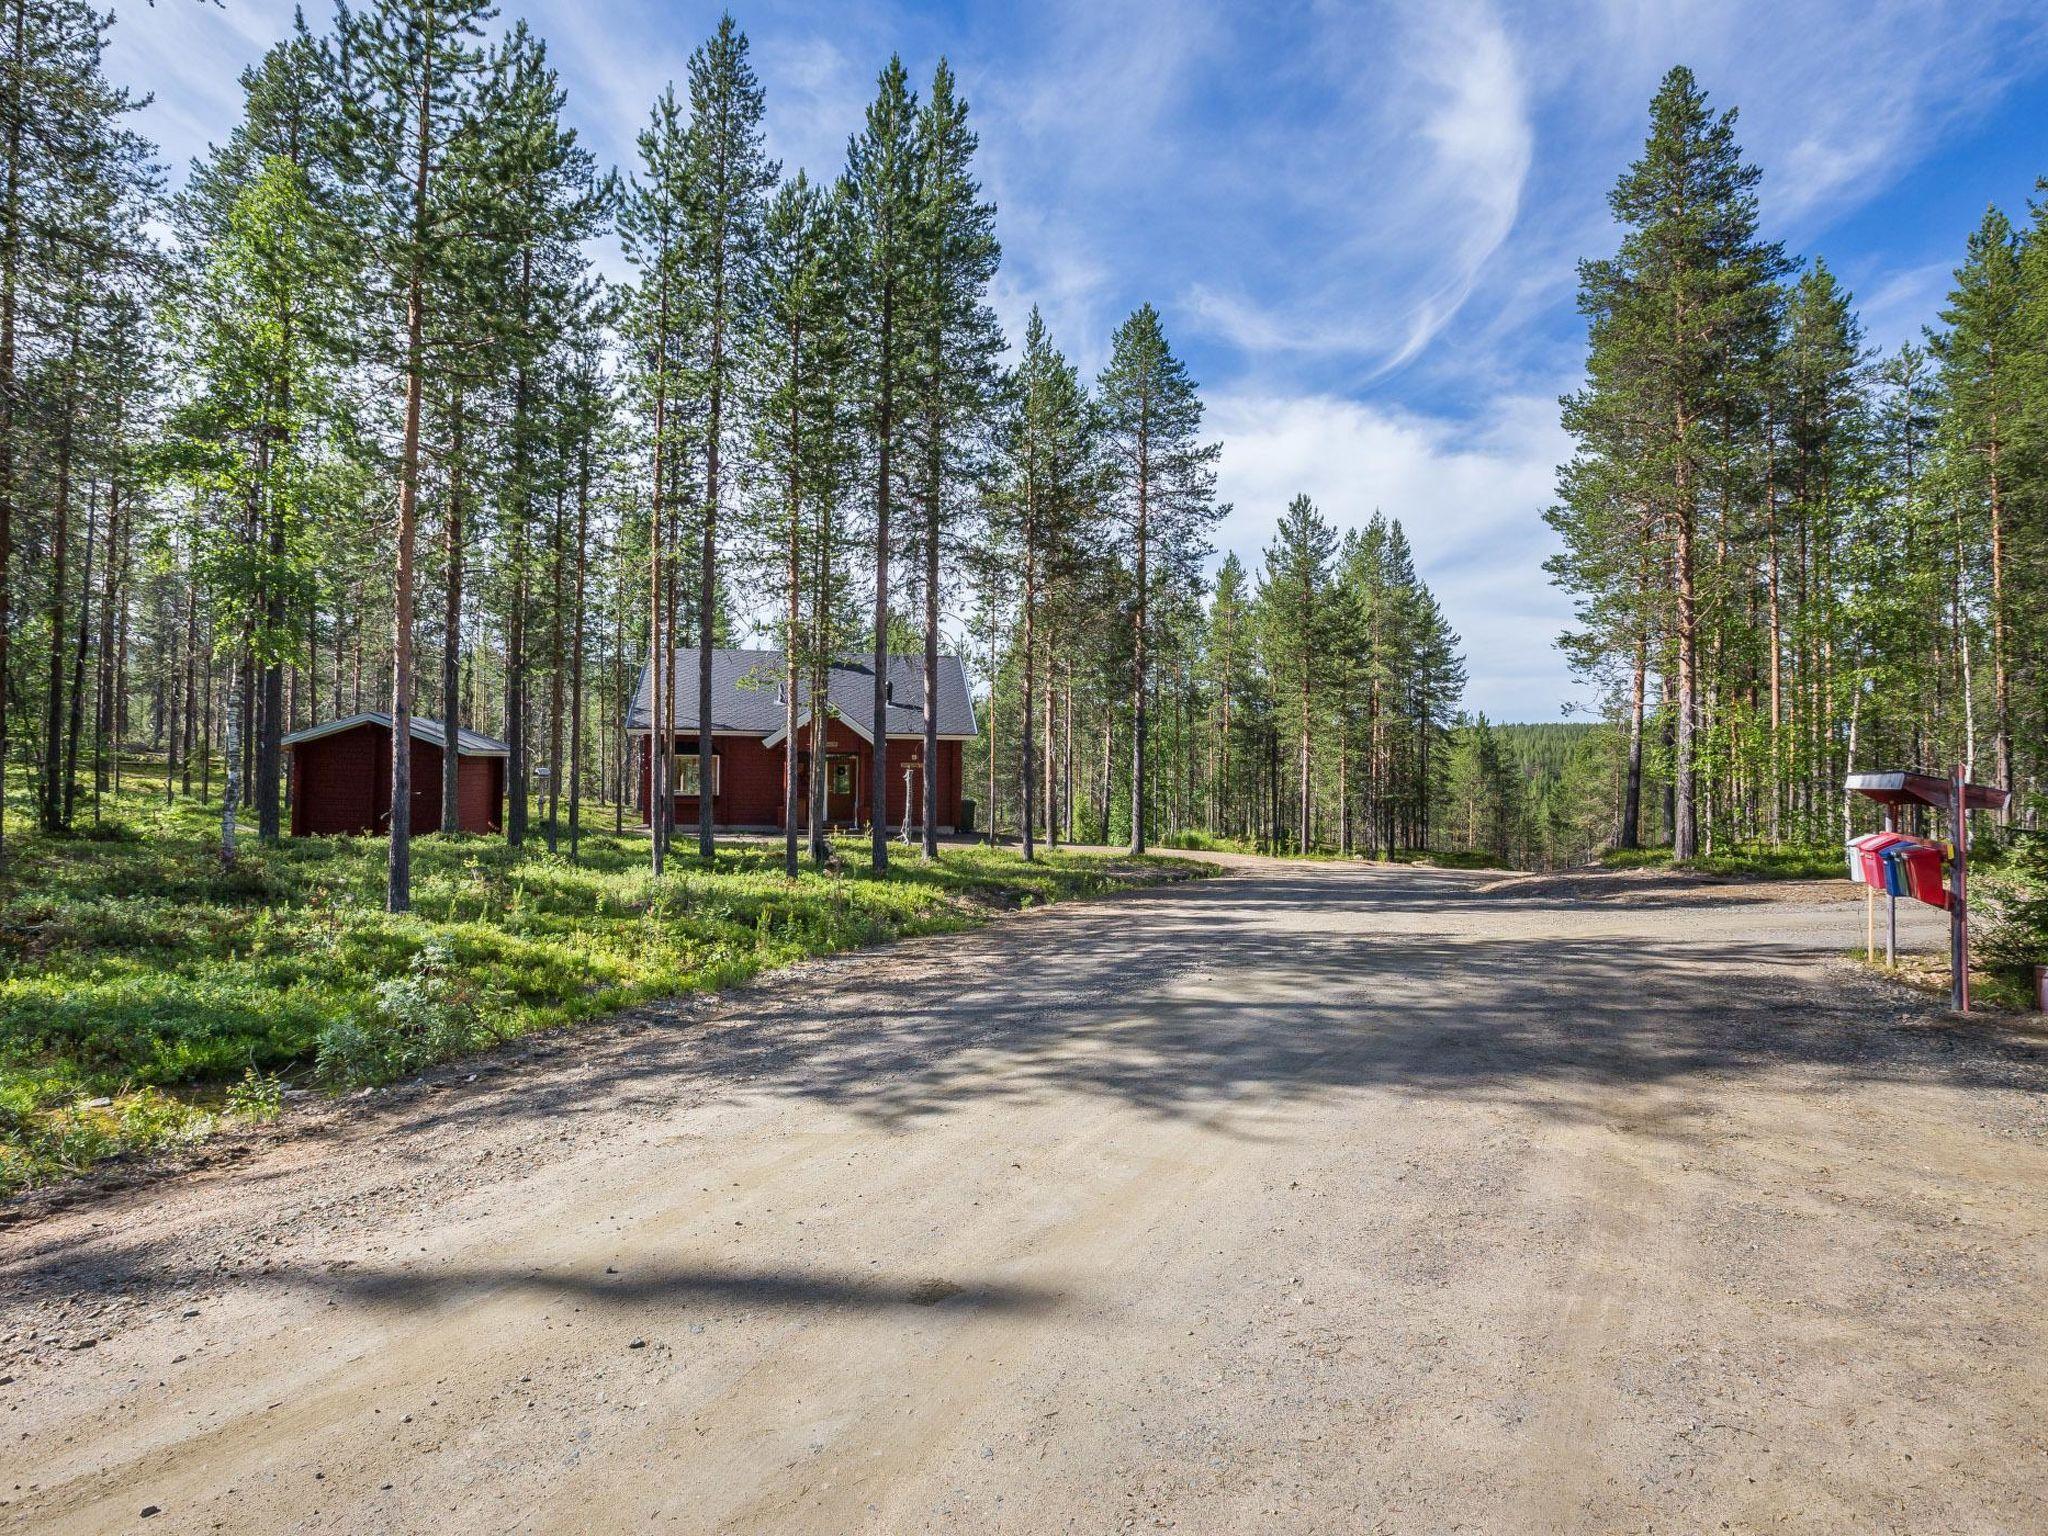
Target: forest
{"points": [[349, 420], [1793, 555]]}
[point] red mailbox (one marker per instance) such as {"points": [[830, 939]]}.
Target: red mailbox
{"points": [[1924, 869], [1870, 856]]}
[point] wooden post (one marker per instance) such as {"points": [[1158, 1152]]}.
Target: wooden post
{"points": [[1891, 902]]}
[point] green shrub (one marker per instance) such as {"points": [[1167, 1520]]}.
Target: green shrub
{"points": [[2014, 898], [431, 1013], [258, 1098]]}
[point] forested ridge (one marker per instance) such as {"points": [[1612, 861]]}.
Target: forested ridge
{"points": [[347, 419]]}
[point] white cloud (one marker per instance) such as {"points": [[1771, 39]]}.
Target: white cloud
{"points": [[1469, 494]]}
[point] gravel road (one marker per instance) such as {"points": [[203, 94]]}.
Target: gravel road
{"points": [[1314, 1198]]}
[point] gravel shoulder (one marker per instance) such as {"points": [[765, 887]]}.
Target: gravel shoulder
{"points": [[1319, 1198]]}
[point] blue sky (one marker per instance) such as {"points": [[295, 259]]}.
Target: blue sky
{"points": [[1359, 221]]}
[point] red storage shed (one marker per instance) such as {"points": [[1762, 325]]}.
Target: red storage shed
{"points": [[341, 777]]}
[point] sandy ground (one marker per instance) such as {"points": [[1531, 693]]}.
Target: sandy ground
{"points": [[1317, 1198]]}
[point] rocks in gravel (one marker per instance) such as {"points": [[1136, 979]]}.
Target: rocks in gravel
{"points": [[151, 1509], [637, 1344]]}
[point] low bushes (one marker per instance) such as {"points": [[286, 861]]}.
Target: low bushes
{"points": [[138, 971]]}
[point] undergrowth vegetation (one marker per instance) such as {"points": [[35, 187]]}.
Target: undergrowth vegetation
{"points": [[1824, 862], [146, 991]]}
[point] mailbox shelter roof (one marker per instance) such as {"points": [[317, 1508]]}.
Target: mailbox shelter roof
{"points": [[1909, 788]]}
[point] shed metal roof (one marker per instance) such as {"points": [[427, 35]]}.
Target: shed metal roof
{"points": [[467, 743], [746, 694]]}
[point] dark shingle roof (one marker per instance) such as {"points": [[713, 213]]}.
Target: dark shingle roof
{"points": [[746, 694], [467, 744]]}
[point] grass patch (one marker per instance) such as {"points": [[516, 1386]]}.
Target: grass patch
{"points": [[1823, 862], [1449, 858], [147, 994]]}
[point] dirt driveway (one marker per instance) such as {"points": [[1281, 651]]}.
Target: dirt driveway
{"points": [[1316, 1198]]}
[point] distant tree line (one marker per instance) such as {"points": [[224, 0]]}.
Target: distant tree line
{"points": [[368, 431], [1792, 556]]}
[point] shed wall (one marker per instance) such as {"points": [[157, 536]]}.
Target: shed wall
{"points": [[341, 786]]}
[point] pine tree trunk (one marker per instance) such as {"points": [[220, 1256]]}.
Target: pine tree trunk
{"points": [[60, 543], [231, 791], [1632, 793], [929, 842], [76, 724], [659, 659], [793, 618], [1067, 759], [10, 278], [2001, 679], [518, 762], [885, 425], [1684, 823], [270, 744], [398, 882], [1138, 635], [451, 622], [556, 679], [111, 598], [575, 769], [1049, 755], [707, 593], [1027, 777], [993, 674], [1304, 829], [821, 704]]}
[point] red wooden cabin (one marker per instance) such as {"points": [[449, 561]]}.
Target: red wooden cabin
{"points": [[748, 709], [341, 777]]}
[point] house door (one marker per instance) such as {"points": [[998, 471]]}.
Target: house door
{"points": [[842, 788]]}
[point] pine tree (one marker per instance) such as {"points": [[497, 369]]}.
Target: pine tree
{"points": [[416, 63], [1043, 499], [953, 364], [1299, 631], [264, 328], [728, 177], [800, 448], [652, 225], [1689, 289], [1161, 483], [881, 203], [1226, 670], [1980, 353]]}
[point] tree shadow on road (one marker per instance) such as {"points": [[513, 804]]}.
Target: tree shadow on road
{"points": [[657, 1285], [1261, 991]]}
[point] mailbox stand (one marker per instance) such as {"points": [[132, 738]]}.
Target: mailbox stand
{"points": [[1958, 797]]}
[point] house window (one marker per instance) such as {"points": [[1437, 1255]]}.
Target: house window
{"points": [[840, 780], [686, 774]]}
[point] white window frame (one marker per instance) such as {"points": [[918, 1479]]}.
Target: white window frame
{"points": [[688, 761]]}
